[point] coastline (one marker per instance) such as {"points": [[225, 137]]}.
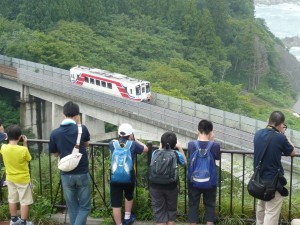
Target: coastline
{"points": [[281, 17], [275, 2]]}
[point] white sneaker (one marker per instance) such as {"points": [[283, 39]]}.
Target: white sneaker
{"points": [[15, 223], [29, 223]]}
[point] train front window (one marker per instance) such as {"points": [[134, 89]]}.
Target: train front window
{"points": [[138, 90], [143, 89], [147, 88], [86, 79]]}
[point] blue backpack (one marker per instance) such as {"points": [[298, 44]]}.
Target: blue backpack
{"points": [[121, 163], [202, 171]]}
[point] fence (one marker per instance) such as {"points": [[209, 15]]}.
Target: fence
{"points": [[233, 201], [168, 112]]}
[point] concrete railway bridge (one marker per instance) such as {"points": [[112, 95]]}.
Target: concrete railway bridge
{"points": [[44, 90]]}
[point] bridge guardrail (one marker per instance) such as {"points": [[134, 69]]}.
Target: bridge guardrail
{"points": [[177, 113]]}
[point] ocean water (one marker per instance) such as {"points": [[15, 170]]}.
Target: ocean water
{"points": [[283, 21]]}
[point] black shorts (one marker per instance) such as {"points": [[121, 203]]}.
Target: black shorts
{"points": [[116, 193]]}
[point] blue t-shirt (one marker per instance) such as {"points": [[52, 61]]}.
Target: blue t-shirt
{"points": [[3, 136], [63, 139], [278, 146]]}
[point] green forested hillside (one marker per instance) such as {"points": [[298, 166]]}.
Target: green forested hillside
{"points": [[210, 52]]}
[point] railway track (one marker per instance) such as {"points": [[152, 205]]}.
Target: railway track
{"points": [[8, 72]]}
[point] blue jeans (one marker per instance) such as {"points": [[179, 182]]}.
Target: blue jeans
{"points": [[77, 194]]}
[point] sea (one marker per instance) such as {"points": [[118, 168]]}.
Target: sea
{"points": [[283, 20]]}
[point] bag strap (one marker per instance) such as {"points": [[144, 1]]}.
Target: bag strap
{"points": [[128, 144], [78, 139], [207, 149], [266, 146]]}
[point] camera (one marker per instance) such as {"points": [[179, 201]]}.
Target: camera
{"points": [[22, 138]]}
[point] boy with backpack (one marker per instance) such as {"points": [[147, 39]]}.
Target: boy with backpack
{"points": [[122, 178], [202, 173], [163, 178]]}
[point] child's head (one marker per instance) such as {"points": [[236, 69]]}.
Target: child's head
{"points": [[13, 132], [71, 109], [125, 130], [205, 127], [168, 140]]}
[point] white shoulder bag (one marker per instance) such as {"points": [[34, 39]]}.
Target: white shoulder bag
{"points": [[70, 162]]}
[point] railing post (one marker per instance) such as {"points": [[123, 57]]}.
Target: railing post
{"points": [[149, 155]]}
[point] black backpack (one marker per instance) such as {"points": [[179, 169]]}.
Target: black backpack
{"points": [[163, 168]]}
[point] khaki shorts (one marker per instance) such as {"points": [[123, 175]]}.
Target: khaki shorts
{"points": [[19, 193]]}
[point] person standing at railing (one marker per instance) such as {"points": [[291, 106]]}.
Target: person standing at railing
{"points": [[76, 183], [16, 159], [209, 192], [164, 179], [126, 142], [268, 212]]}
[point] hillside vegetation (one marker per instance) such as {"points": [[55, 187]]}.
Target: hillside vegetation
{"points": [[211, 52]]}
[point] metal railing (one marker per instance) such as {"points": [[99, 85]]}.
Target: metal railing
{"points": [[167, 112], [233, 199]]}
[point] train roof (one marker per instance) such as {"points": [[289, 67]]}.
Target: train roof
{"points": [[106, 74]]}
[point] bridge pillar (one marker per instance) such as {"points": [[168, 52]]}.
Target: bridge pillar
{"points": [[95, 126], [35, 113], [28, 111], [57, 115]]}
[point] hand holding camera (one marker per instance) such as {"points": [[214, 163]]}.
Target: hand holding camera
{"points": [[23, 139], [132, 137]]}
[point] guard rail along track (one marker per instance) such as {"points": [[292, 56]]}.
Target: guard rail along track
{"points": [[232, 130]]}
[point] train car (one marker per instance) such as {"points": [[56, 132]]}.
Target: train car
{"points": [[111, 83]]}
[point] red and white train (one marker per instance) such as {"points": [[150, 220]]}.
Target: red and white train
{"points": [[111, 83]]}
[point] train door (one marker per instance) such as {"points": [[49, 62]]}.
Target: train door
{"points": [[138, 91], [145, 91], [74, 75]]}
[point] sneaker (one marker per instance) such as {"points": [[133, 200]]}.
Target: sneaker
{"points": [[130, 220], [29, 223], [15, 223]]}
